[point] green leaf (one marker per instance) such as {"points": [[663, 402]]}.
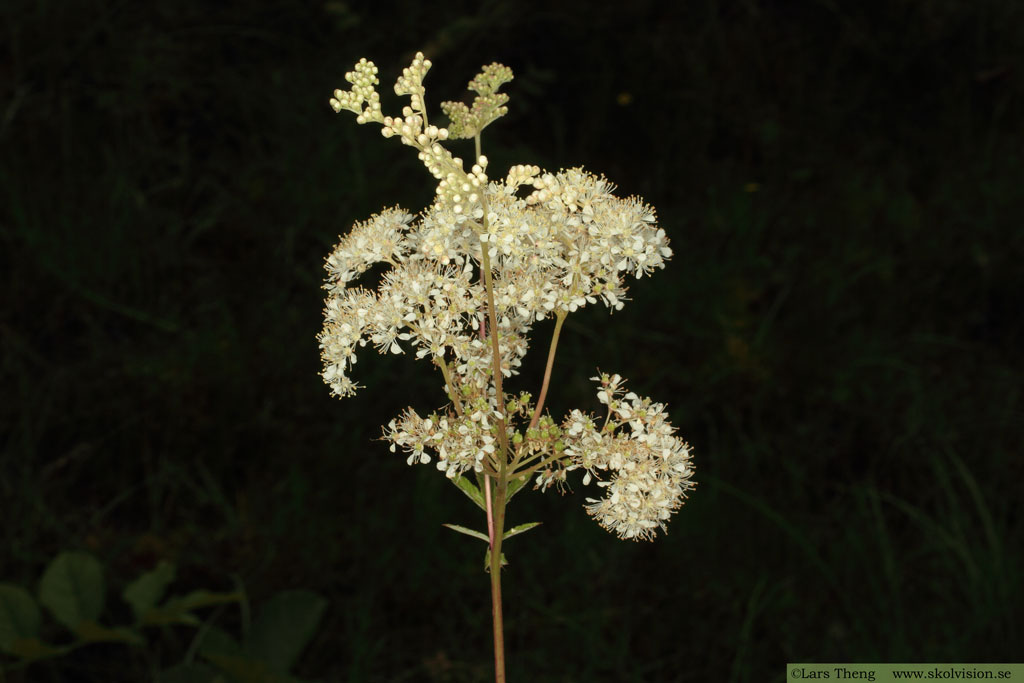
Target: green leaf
{"points": [[487, 561], [159, 616], [19, 625], [244, 669], [201, 598], [221, 649], [469, 532], [72, 588], [33, 648], [178, 610], [91, 632], [144, 592], [19, 615], [472, 491], [515, 486], [285, 624], [217, 641], [522, 528]]}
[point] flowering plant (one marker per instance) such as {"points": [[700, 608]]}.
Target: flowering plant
{"points": [[468, 279]]}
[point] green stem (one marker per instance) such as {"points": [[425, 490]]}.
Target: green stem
{"points": [[559, 319], [450, 384], [497, 531], [533, 468], [496, 503], [492, 315]]}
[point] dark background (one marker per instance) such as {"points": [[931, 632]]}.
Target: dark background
{"points": [[838, 335]]}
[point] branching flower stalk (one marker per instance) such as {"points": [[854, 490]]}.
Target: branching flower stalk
{"points": [[468, 279]]}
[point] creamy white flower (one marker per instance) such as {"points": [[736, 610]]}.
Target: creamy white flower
{"points": [[346, 316], [460, 443], [650, 468], [377, 240]]}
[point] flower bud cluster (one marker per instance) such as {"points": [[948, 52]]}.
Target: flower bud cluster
{"points": [[411, 80], [521, 174], [411, 127], [468, 122], [650, 468], [490, 78], [410, 130], [462, 191], [488, 106], [363, 78]]}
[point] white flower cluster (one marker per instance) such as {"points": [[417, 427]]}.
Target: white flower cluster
{"points": [[570, 247], [650, 466], [540, 245], [461, 442]]}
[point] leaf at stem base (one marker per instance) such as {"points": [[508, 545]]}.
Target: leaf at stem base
{"points": [[487, 561]]}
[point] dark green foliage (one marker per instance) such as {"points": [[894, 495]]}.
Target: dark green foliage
{"points": [[838, 336], [73, 589]]}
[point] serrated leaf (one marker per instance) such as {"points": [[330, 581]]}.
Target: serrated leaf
{"points": [[522, 528], [19, 615], [72, 588], [472, 491], [146, 591], [91, 632], [469, 532], [284, 626]]}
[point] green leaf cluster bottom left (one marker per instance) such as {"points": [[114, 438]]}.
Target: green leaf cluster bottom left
{"points": [[72, 589]]}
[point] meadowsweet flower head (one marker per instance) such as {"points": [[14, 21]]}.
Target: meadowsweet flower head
{"points": [[463, 285]]}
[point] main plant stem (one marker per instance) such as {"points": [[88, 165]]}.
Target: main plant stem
{"points": [[497, 531], [496, 502]]}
